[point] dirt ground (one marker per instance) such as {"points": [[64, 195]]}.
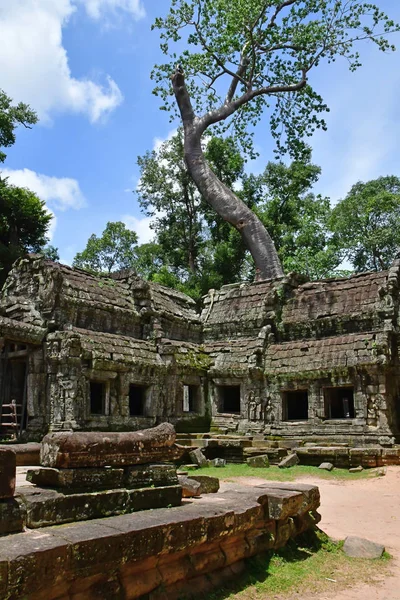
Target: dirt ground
{"points": [[368, 508]]}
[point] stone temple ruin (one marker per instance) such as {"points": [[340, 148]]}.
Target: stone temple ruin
{"points": [[283, 359], [95, 484]]}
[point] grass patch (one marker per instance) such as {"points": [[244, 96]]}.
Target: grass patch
{"points": [[273, 473], [312, 563]]}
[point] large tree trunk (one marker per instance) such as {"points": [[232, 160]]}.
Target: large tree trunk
{"points": [[220, 197]]}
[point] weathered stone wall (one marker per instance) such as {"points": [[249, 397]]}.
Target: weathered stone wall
{"points": [[263, 341], [169, 552]]}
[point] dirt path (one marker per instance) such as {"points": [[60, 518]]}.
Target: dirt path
{"points": [[368, 508]]}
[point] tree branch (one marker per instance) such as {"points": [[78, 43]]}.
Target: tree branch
{"points": [[226, 110], [279, 8], [183, 98]]}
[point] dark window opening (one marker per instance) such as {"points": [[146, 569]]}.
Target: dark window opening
{"points": [[137, 400], [339, 403], [97, 397], [190, 398], [229, 399], [295, 405]]}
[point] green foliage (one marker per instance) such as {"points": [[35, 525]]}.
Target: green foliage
{"points": [[24, 223], [244, 57], [194, 249], [10, 117], [50, 252], [366, 223], [113, 251], [297, 219]]}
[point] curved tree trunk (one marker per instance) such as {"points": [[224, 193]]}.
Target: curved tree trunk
{"points": [[220, 197]]}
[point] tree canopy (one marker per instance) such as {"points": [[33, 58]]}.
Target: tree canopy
{"points": [[367, 223], [232, 60], [114, 250], [24, 223], [10, 117], [194, 249]]}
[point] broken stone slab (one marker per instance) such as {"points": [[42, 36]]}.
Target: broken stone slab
{"points": [[258, 462], [311, 495], [326, 466], [97, 449], [356, 469], [289, 461], [7, 473], [218, 462], [26, 454], [198, 458], [208, 484], [192, 467], [45, 507], [190, 487], [357, 547]]}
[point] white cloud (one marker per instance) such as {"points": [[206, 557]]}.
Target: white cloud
{"points": [[158, 142], [140, 226], [34, 63], [59, 193], [97, 8]]}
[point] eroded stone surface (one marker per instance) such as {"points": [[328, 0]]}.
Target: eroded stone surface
{"points": [[289, 461], [208, 485], [190, 487]]}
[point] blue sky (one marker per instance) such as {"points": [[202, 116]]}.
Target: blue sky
{"points": [[84, 65]]}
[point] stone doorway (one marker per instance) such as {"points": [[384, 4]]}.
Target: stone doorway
{"points": [[13, 389]]}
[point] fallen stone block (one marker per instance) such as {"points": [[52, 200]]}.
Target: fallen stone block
{"points": [[258, 462], [66, 450], [198, 458], [289, 461], [7, 473], [218, 462], [208, 485], [192, 467], [357, 547], [356, 469], [326, 466], [190, 487], [26, 454]]}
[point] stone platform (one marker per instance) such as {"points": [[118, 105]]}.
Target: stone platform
{"points": [[160, 554]]}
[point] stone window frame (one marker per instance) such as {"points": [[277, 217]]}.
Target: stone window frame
{"points": [[347, 386], [283, 392], [197, 400], [227, 382], [147, 396], [107, 397]]}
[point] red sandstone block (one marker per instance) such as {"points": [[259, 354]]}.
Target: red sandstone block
{"points": [[7, 473]]}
